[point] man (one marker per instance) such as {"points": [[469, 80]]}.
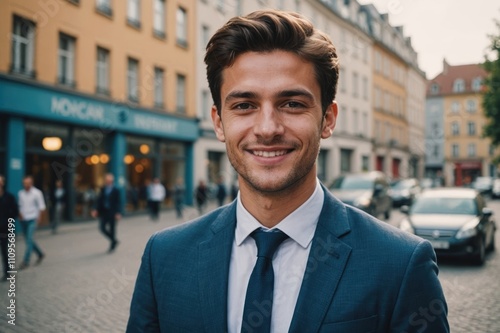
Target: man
{"points": [[8, 211], [31, 207], [157, 195], [108, 209], [322, 266], [58, 200], [221, 191]]}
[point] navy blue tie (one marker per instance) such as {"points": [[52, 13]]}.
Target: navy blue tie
{"points": [[259, 298]]}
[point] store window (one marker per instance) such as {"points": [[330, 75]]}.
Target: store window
{"points": [[140, 167], [345, 160], [172, 167], [91, 162]]}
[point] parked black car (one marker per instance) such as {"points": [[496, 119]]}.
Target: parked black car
{"points": [[367, 191], [404, 191], [455, 220]]}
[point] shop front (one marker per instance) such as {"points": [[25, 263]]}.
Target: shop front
{"points": [[55, 135]]}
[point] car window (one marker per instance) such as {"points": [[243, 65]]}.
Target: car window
{"points": [[460, 206]]}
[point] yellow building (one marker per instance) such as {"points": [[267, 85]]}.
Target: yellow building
{"points": [[88, 87], [456, 94]]}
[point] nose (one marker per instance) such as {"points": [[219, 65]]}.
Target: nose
{"points": [[268, 122]]}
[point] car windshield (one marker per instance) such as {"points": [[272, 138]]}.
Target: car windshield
{"points": [[403, 184], [353, 183], [429, 205]]}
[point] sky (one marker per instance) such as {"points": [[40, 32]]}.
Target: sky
{"points": [[456, 30]]}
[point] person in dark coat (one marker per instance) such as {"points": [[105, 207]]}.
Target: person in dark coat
{"points": [[201, 196], [8, 213], [221, 191], [108, 209], [58, 200]]}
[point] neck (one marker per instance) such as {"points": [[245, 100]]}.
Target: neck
{"points": [[271, 208]]}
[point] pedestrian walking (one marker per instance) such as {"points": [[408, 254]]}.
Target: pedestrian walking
{"points": [[201, 194], [328, 266], [8, 212], [221, 191], [108, 209], [58, 200], [179, 193], [31, 207], [157, 195]]}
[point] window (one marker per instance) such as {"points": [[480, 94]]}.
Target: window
{"points": [[471, 128], [66, 71], [220, 5], [434, 89], [181, 19], [181, 93], [355, 122], [23, 46], [471, 106], [205, 105], [458, 85], [159, 86], [365, 163], [133, 80], [134, 13], [104, 6], [205, 35], [455, 107], [102, 71], [365, 88], [378, 98], [355, 84], [342, 79], [345, 160], [342, 117], [159, 18], [378, 62], [471, 149], [476, 84], [455, 128], [455, 150]]}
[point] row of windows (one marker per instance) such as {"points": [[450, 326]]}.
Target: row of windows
{"points": [[471, 150], [459, 86], [389, 133], [355, 80], [23, 59], [388, 102], [390, 70], [356, 124], [470, 106], [471, 128]]}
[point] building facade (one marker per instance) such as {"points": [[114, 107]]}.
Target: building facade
{"points": [[455, 96], [89, 87]]}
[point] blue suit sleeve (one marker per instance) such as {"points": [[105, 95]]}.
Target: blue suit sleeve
{"points": [[421, 305], [143, 310]]}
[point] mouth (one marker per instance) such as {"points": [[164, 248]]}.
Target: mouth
{"points": [[269, 154]]}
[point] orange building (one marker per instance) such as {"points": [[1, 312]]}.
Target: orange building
{"points": [[88, 87]]}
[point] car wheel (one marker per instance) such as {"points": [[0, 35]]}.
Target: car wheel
{"points": [[479, 257]]}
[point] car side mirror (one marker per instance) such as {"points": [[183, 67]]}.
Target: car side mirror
{"points": [[405, 209], [487, 211]]}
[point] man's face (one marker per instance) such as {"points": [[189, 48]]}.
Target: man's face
{"points": [[271, 119], [108, 180], [27, 183]]}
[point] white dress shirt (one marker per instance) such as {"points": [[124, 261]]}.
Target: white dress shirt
{"points": [[31, 203], [289, 262]]}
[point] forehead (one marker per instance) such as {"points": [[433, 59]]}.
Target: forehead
{"points": [[267, 71]]}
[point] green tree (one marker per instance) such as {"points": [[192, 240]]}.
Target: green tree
{"points": [[491, 96]]}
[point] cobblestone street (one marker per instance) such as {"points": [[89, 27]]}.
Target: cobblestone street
{"points": [[79, 287]]}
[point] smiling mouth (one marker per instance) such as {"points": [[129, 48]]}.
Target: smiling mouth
{"points": [[269, 154]]}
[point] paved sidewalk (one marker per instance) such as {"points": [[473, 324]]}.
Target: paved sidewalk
{"points": [[79, 287]]}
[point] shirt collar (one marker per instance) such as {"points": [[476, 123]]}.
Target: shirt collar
{"points": [[299, 225]]}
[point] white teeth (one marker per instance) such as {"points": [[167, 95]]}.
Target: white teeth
{"points": [[269, 153]]}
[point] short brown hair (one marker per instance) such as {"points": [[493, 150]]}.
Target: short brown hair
{"points": [[268, 30]]}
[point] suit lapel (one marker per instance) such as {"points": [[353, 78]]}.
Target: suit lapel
{"points": [[213, 270], [325, 266]]}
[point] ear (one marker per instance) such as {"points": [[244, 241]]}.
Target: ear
{"points": [[217, 121], [329, 121]]}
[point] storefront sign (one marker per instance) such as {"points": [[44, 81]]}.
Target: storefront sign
{"points": [[155, 124], [76, 109]]}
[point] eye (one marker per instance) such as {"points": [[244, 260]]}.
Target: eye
{"points": [[243, 106], [293, 105]]}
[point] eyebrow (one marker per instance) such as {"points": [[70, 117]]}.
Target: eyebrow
{"points": [[284, 93]]}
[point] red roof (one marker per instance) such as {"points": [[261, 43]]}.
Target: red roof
{"points": [[445, 80]]}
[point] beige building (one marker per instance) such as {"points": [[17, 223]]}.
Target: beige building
{"points": [[97, 86]]}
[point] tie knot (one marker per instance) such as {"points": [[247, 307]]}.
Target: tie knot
{"points": [[268, 241]]}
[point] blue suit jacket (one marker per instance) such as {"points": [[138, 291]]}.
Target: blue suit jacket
{"points": [[362, 276]]}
